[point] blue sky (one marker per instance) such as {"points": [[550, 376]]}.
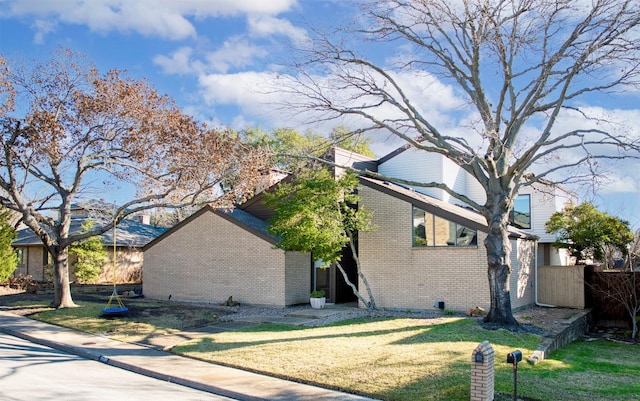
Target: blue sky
{"points": [[211, 55]]}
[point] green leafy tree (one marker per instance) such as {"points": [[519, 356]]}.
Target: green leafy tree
{"points": [[317, 213], [8, 256], [586, 232], [293, 150], [90, 256]]}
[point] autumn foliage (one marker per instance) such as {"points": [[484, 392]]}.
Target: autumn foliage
{"points": [[70, 132]]}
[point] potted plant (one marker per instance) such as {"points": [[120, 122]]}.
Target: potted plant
{"points": [[318, 299]]}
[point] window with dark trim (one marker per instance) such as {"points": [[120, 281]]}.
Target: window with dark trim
{"points": [[20, 255], [431, 230], [46, 257], [521, 214]]}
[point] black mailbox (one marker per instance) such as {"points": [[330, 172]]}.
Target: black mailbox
{"points": [[514, 357]]}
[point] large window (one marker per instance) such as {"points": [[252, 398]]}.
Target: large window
{"points": [[521, 215], [430, 230]]}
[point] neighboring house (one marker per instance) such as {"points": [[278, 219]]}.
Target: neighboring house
{"points": [[425, 253], [217, 254], [131, 235]]}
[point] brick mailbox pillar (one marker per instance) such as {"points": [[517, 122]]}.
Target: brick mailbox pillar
{"points": [[482, 372]]}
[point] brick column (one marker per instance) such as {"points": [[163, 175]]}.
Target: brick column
{"points": [[482, 372]]}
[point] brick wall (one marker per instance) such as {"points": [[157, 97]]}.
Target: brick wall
{"points": [[482, 373], [128, 265], [32, 263], [210, 259], [407, 277], [297, 278]]}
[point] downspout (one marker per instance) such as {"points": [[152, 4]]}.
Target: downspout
{"points": [[535, 280]]}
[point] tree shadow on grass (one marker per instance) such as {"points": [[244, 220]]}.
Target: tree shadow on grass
{"points": [[459, 330]]}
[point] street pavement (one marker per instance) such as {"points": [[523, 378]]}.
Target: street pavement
{"points": [[33, 372], [224, 381]]}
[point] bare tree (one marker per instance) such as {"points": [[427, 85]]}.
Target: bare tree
{"points": [[623, 287], [68, 131], [517, 66]]}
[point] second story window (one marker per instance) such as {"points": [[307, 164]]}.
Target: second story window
{"points": [[431, 230], [521, 214]]}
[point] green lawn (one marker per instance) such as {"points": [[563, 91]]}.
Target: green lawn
{"points": [[409, 360], [391, 359]]}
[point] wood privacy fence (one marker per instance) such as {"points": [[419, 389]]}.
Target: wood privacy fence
{"points": [[588, 287], [607, 290], [562, 286]]}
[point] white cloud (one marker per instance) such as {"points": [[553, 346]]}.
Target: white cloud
{"points": [[179, 62], [266, 25], [625, 182], [235, 52], [42, 27], [244, 89], [260, 96], [167, 19]]}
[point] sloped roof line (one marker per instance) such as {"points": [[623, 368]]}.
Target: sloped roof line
{"points": [[457, 214], [393, 153], [128, 233], [236, 216]]}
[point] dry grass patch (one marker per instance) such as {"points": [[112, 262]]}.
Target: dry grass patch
{"points": [[391, 359], [144, 320]]}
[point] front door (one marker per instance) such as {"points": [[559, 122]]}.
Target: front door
{"points": [[322, 280]]}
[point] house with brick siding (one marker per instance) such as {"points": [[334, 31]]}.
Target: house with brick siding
{"points": [[426, 253], [132, 234], [216, 254], [533, 206]]}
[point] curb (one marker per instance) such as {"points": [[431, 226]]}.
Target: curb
{"points": [[130, 367]]}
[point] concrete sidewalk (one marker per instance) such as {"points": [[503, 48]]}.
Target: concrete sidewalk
{"points": [[229, 382]]}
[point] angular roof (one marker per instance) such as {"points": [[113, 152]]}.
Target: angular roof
{"points": [[458, 214], [236, 216], [130, 233]]}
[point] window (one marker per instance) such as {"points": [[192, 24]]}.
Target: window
{"points": [[20, 255], [430, 230], [46, 257], [521, 214]]}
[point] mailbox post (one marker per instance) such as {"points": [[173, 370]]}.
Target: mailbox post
{"points": [[482, 373], [515, 357]]}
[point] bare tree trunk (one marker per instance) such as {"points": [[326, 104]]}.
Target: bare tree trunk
{"points": [[620, 287], [62, 288], [634, 324], [353, 287], [499, 269], [371, 303]]}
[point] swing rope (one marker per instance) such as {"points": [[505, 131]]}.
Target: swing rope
{"points": [[111, 307]]}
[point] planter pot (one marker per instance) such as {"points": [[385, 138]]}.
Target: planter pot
{"points": [[318, 303]]}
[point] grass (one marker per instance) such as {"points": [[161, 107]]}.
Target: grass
{"points": [[388, 359], [408, 359], [145, 319]]}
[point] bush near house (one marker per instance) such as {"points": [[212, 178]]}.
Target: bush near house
{"points": [[8, 256]]}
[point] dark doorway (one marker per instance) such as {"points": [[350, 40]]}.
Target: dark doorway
{"points": [[331, 280]]}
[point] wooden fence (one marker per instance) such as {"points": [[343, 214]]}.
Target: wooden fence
{"points": [[587, 287], [606, 291], [562, 286]]}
